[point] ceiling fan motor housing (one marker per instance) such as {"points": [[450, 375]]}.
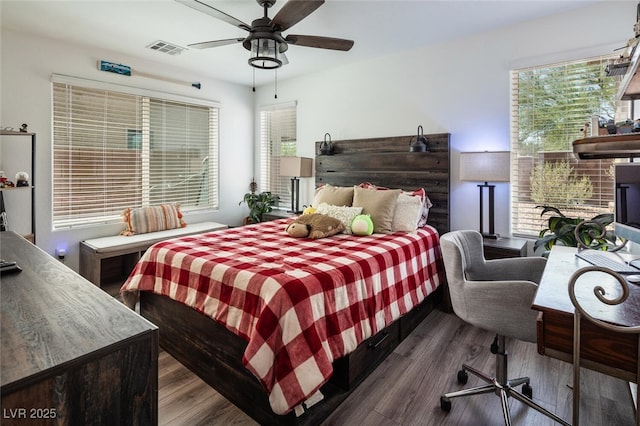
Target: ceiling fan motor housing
{"points": [[266, 3], [261, 28]]}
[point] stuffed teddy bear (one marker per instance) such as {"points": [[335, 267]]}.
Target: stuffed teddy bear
{"points": [[314, 225]]}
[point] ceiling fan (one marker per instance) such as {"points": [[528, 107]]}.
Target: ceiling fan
{"points": [[265, 40]]}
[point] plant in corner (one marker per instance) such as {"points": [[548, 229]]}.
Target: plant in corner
{"points": [[259, 204], [561, 230]]}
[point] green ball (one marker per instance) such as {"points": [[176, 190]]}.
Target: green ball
{"points": [[362, 225]]}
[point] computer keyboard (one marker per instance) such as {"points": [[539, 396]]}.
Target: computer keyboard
{"points": [[597, 258]]}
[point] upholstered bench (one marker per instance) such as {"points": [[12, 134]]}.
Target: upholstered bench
{"points": [[124, 251]]}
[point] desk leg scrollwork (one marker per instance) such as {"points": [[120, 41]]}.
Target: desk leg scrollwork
{"points": [[591, 234], [580, 312]]}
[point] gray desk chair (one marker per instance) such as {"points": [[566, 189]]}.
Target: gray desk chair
{"points": [[580, 311], [495, 295]]}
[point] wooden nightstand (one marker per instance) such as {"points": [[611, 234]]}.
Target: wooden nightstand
{"points": [[277, 214], [504, 247]]}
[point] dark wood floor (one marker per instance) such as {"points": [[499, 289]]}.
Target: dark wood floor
{"points": [[406, 388]]}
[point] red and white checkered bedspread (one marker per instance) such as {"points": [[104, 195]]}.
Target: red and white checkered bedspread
{"points": [[300, 303]]}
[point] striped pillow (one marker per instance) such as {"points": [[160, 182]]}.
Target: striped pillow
{"points": [[153, 218]]}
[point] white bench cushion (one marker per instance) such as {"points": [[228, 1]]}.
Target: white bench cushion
{"points": [[121, 242]]}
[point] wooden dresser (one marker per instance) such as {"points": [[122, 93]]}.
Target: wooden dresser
{"points": [[71, 354]]}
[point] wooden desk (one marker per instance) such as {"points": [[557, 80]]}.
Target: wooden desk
{"points": [[614, 354], [71, 354]]}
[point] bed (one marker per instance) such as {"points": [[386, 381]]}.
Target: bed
{"points": [[291, 326]]}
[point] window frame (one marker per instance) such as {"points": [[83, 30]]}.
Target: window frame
{"points": [[71, 220], [526, 221], [270, 152]]}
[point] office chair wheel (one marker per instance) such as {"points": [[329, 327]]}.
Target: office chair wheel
{"points": [[527, 390], [463, 377], [445, 404]]}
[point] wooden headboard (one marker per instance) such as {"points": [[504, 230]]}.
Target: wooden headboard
{"points": [[388, 162]]}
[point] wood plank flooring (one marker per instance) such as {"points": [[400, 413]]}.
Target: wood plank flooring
{"points": [[406, 387]]}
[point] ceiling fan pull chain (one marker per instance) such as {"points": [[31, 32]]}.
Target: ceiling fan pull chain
{"points": [[254, 79], [276, 95]]}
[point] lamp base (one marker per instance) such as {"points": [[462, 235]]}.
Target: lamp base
{"points": [[490, 236]]}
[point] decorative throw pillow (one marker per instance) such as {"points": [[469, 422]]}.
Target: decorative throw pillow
{"points": [[407, 213], [424, 213], [380, 205], [152, 218], [343, 213], [333, 195], [420, 192]]}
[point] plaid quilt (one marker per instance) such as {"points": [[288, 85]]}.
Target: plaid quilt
{"points": [[299, 303]]}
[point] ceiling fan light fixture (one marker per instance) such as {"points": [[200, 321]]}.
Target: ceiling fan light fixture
{"points": [[264, 53]]}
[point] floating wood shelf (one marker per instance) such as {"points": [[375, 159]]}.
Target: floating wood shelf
{"points": [[609, 146]]}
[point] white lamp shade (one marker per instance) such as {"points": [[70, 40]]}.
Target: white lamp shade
{"points": [[485, 166], [296, 166]]}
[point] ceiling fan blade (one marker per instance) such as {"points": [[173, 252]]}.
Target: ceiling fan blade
{"points": [[212, 11], [215, 43], [320, 42], [293, 12]]}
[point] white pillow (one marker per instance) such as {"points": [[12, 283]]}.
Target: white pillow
{"points": [[407, 213], [343, 213]]}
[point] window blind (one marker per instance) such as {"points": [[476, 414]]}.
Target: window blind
{"points": [[113, 150], [550, 106], [277, 139]]}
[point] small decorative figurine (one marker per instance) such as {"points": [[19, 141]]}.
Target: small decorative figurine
{"points": [[23, 128], [22, 179]]}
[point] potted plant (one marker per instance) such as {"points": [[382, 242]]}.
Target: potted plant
{"points": [[561, 230], [259, 204]]}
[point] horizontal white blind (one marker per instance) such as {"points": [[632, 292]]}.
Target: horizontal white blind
{"points": [[113, 150], [179, 166], [550, 106], [277, 139]]}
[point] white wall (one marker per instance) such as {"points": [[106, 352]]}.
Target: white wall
{"points": [[459, 87], [26, 68]]}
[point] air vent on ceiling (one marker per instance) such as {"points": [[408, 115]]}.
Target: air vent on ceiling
{"points": [[164, 47]]}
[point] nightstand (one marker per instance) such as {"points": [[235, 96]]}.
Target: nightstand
{"points": [[504, 247], [277, 214]]}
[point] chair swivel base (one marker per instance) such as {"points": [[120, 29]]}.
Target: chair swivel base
{"points": [[500, 386]]}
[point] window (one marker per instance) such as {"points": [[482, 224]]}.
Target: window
{"points": [[550, 106], [113, 150], [277, 139]]}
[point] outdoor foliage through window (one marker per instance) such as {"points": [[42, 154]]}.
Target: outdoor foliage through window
{"points": [[551, 105]]}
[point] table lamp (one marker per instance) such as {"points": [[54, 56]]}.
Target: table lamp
{"points": [[296, 167], [486, 167]]}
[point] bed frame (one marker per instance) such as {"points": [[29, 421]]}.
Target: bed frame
{"points": [[215, 354]]}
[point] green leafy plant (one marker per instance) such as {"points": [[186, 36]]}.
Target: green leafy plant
{"points": [[561, 230], [556, 183], [259, 204]]}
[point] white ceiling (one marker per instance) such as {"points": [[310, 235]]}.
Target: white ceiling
{"points": [[378, 28]]}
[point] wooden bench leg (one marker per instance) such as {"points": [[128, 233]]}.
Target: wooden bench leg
{"points": [[90, 265]]}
